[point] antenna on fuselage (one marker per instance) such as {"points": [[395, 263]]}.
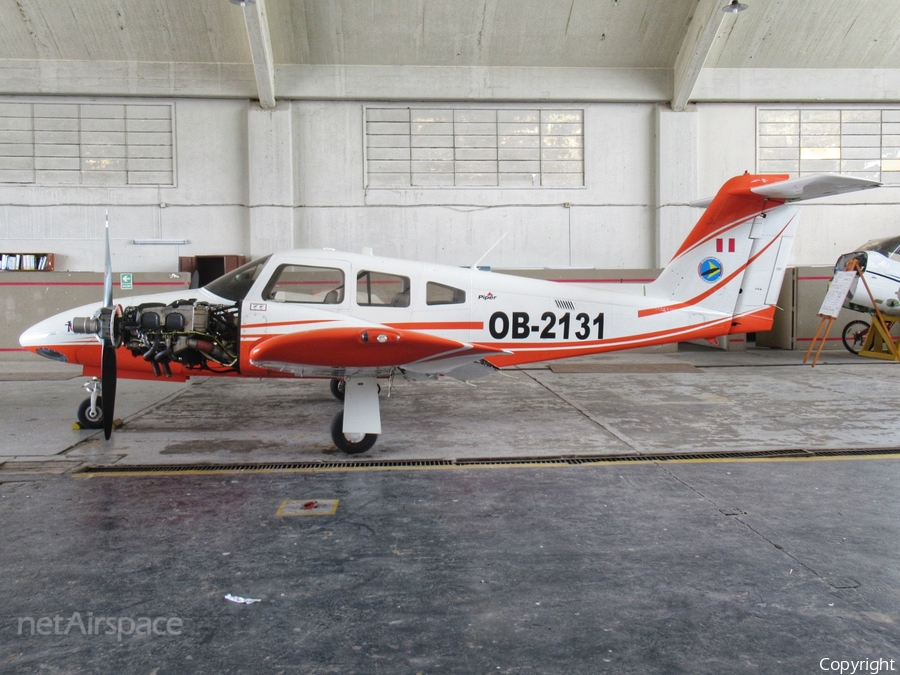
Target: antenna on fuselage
{"points": [[475, 266]]}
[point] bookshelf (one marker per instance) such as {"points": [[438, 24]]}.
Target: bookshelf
{"points": [[26, 262]]}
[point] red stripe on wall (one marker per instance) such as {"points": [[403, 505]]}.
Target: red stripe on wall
{"points": [[87, 283], [603, 281]]}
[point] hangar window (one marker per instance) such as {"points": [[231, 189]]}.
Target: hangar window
{"points": [[376, 289], [474, 147], [305, 283], [863, 142], [43, 143], [439, 294]]}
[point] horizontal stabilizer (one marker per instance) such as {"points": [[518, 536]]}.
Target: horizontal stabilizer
{"points": [[808, 187], [811, 187]]}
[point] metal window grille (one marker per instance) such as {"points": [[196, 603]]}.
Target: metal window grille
{"points": [[859, 142], [474, 147], [87, 144]]}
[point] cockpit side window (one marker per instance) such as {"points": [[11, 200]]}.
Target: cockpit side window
{"points": [[439, 294], [307, 284], [377, 289], [236, 284]]}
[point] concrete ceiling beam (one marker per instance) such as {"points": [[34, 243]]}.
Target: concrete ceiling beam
{"points": [[695, 47], [261, 51]]}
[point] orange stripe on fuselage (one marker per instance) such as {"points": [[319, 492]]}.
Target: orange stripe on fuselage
{"points": [[285, 323], [438, 325], [754, 322], [757, 320]]}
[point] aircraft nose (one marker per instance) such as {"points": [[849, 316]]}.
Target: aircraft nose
{"points": [[44, 338], [37, 334]]}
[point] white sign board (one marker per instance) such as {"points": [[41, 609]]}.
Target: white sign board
{"points": [[837, 293]]}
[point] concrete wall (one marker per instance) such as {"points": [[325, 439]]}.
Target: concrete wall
{"points": [[607, 223], [207, 207], [250, 181], [29, 297]]}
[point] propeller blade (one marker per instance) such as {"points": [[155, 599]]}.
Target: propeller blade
{"points": [[107, 273], [108, 385]]}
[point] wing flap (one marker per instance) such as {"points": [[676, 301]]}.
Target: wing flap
{"points": [[362, 347]]}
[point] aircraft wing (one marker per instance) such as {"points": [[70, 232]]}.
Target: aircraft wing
{"points": [[374, 348]]}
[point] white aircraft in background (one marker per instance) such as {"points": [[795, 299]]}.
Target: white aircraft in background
{"points": [[356, 318], [879, 263]]}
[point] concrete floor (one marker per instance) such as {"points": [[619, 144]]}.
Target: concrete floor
{"points": [[724, 566]]}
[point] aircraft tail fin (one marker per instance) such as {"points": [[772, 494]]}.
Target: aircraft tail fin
{"points": [[733, 260]]}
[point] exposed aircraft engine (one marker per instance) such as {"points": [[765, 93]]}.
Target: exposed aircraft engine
{"points": [[197, 335]]}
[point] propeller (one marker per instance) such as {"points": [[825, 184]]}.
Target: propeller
{"points": [[104, 325], [108, 355]]}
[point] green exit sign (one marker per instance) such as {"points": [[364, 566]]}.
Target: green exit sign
{"points": [[126, 281]]}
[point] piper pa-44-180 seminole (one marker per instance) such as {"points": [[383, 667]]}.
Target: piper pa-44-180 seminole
{"points": [[356, 318]]}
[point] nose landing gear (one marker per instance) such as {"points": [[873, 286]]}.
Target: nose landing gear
{"points": [[90, 412]]}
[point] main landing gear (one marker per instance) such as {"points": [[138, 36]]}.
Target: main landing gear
{"points": [[338, 386], [352, 444], [355, 429], [337, 389]]}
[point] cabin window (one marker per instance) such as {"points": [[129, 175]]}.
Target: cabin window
{"points": [[376, 289], [307, 284], [439, 294]]}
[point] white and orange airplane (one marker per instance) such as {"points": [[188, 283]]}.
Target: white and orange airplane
{"points": [[356, 318]]}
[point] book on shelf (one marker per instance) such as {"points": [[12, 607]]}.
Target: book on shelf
{"points": [[25, 261]]}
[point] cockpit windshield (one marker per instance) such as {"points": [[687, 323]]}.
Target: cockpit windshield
{"points": [[888, 247], [236, 284]]}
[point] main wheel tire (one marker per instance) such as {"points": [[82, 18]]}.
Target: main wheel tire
{"points": [[354, 444], [86, 418], [854, 336], [337, 388]]}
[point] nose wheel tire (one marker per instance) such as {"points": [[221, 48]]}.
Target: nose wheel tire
{"points": [[352, 444], [91, 419]]}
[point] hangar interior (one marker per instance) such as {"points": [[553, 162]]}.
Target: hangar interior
{"points": [[428, 130], [697, 512]]}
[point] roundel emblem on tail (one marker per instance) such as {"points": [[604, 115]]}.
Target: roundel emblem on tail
{"points": [[710, 270]]}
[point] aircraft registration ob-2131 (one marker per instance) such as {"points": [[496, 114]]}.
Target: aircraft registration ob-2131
{"points": [[356, 318]]}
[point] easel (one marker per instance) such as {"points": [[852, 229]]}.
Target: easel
{"points": [[879, 335], [826, 321]]}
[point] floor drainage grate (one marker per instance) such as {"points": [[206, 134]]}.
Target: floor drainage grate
{"points": [[496, 462]]}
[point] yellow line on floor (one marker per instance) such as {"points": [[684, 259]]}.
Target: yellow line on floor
{"points": [[492, 465]]}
